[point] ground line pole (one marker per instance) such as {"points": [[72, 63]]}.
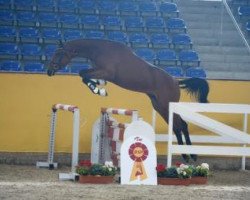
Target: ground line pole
{"points": [[243, 160], [170, 135], [75, 142]]}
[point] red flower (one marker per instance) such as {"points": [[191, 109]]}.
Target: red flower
{"points": [[177, 164], [85, 163], [160, 168]]}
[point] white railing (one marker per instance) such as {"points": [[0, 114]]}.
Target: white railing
{"points": [[227, 134]]}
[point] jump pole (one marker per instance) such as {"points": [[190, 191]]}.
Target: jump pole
{"points": [[75, 143]]}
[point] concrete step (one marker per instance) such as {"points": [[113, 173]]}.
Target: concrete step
{"points": [[232, 66], [209, 25], [232, 34], [226, 75], [222, 50], [225, 58], [210, 41], [216, 18]]}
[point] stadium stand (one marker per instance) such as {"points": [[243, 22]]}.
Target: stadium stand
{"points": [[30, 30], [10, 65], [174, 71], [7, 34], [197, 72]]}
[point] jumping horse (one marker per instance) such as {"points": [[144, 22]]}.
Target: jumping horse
{"points": [[115, 62]]}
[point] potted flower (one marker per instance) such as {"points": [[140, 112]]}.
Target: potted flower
{"points": [[173, 175], [96, 173], [200, 173]]}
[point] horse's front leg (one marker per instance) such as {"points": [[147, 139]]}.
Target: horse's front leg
{"points": [[92, 82]]}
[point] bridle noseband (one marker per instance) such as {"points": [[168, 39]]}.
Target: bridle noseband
{"points": [[62, 53]]}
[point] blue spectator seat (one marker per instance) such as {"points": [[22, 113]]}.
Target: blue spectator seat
{"points": [[51, 35], [26, 18], [28, 35], [148, 9], [48, 19], [67, 6], [87, 6], [166, 57], [23, 5], [112, 23], [10, 65], [31, 52], [45, 5], [155, 24], [107, 8], [69, 21], [72, 34], [146, 54], [8, 51], [244, 11], [182, 41], [34, 67], [6, 18], [5, 4], [134, 23], [49, 50], [128, 8], [95, 35], [196, 72], [77, 67], [7, 33], [118, 36], [138, 40], [160, 40], [189, 58], [90, 22], [176, 25], [64, 70], [168, 9], [174, 71]]}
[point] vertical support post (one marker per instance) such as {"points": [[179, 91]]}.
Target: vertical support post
{"points": [[154, 119], [243, 160], [134, 115], [170, 134], [52, 138], [75, 142]]}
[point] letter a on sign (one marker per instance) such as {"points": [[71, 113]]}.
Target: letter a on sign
{"points": [[138, 159]]}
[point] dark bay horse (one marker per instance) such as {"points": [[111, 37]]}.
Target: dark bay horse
{"points": [[116, 63]]}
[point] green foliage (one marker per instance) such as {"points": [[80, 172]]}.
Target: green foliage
{"points": [[86, 168]]}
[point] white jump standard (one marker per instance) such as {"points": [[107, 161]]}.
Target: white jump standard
{"points": [[75, 146]]}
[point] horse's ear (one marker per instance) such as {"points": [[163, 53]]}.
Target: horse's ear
{"points": [[60, 44]]}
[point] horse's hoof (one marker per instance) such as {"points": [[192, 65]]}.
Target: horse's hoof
{"points": [[185, 157], [103, 92], [102, 82], [194, 157]]}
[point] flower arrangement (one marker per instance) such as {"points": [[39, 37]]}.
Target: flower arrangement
{"points": [[86, 168], [182, 171], [201, 170]]}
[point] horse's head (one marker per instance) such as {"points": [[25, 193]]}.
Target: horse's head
{"points": [[59, 60]]}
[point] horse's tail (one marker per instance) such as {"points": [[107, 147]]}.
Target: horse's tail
{"points": [[196, 87]]}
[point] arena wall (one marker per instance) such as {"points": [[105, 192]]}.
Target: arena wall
{"points": [[26, 101]]}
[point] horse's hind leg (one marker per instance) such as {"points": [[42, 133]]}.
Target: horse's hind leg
{"points": [[163, 111], [177, 130], [187, 137]]}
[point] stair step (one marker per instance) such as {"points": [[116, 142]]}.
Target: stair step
{"points": [[223, 56]]}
